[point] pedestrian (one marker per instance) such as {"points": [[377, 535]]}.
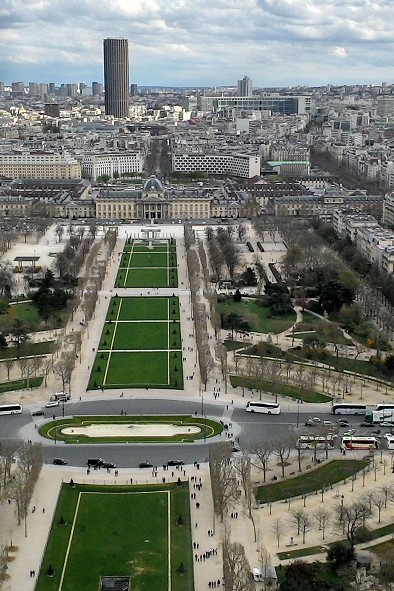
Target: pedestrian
{"points": [[196, 526], [43, 509], [197, 505], [34, 573], [34, 509]]}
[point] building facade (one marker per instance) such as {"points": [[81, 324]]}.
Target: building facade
{"points": [[242, 165], [116, 77], [40, 165], [97, 165]]}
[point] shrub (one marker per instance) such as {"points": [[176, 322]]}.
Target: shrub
{"points": [[50, 571]]}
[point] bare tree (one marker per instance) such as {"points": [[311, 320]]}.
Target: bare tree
{"points": [[351, 517], [64, 368], [379, 501], [265, 562], [236, 568], [262, 452], [223, 477], [282, 449], [9, 364], [305, 525], [296, 517], [322, 517], [221, 356], [241, 465], [278, 529]]}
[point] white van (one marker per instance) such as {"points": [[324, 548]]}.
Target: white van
{"points": [[61, 396]]}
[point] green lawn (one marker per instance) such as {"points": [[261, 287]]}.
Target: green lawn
{"points": [[280, 389], [301, 552], [143, 308], [385, 550], [120, 531], [136, 359], [27, 350], [141, 266], [258, 316], [20, 384], [141, 335], [53, 429], [318, 478]]}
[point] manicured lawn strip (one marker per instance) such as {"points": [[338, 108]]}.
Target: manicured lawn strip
{"points": [[135, 358], [147, 368], [147, 308], [110, 538], [154, 277], [150, 259], [301, 552], [20, 384], [235, 345], [27, 350], [280, 389], [181, 540], [323, 476], [142, 335], [385, 530], [24, 311], [338, 338], [258, 316], [384, 550], [52, 429]]}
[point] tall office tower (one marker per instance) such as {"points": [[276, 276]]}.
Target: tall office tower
{"points": [[245, 87], [97, 88], [133, 89], [116, 77], [52, 88], [1, 88]]}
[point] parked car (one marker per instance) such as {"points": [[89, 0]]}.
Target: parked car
{"points": [[175, 463], [257, 574], [108, 465], [327, 423], [349, 432], [145, 464], [52, 403], [343, 423], [386, 424], [310, 423], [38, 413], [316, 420], [59, 462], [364, 424]]}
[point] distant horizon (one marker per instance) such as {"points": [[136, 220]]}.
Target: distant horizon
{"points": [[204, 43]]}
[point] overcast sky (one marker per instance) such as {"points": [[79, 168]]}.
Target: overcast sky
{"points": [[200, 42]]}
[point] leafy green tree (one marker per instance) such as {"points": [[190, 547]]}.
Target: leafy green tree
{"points": [[237, 297], [278, 298], [340, 554], [334, 294], [18, 332], [3, 342]]}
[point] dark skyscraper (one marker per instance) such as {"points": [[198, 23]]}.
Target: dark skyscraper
{"points": [[116, 77]]}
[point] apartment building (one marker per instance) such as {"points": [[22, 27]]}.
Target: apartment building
{"points": [[110, 164], [39, 165], [242, 165], [388, 210]]}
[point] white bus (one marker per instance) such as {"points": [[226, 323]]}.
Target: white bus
{"points": [[359, 442], [348, 409], [270, 408], [312, 442], [10, 409]]}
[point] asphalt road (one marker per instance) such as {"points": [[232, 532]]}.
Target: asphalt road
{"points": [[249, 427]]}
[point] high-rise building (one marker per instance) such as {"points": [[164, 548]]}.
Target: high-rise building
{"points": [[97, 88], [116, 77], [133, 89], [245, 87], [52, 88]]}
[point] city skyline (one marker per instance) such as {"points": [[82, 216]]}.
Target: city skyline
{"points": [[277, 43]]}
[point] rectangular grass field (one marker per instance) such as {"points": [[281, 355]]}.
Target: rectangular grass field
{"points": [[140, 345], [142, 266], [119, 531]]}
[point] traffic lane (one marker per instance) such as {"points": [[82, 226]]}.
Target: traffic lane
{"points": [[136, 406], [127, 455]]}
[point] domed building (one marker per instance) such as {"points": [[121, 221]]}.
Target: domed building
{"points": [[153, 202]]}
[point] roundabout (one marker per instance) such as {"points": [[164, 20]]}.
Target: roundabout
{"points": [[130, 429]]}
